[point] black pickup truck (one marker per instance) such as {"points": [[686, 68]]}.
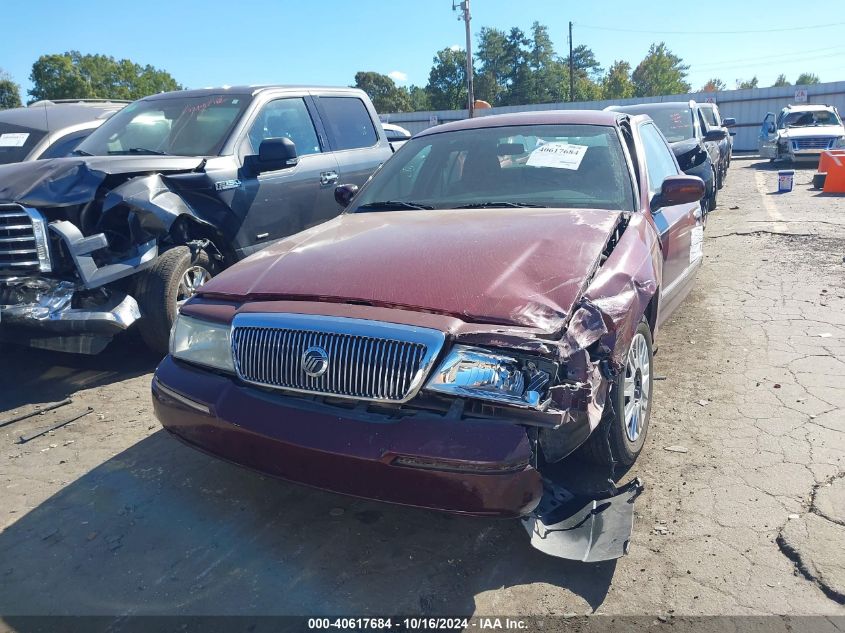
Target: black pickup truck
{"points": [[169, 191]]}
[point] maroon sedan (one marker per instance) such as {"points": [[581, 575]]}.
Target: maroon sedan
{"points": [[485, 306]]}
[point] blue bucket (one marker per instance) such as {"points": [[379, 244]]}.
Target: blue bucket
{"points": [[785, 180]]}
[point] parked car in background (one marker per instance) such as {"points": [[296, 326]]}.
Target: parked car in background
{"points": [[485, 306], [396, 135], [713, 119], [169, 191], [684, 128], [50, 129], [801, 131]]}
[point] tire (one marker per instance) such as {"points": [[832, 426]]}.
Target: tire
{"points": [[611, 443], [711, 202], [161, 288], [719, 179]]}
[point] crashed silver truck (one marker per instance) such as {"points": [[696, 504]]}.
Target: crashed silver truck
{"points": [[164, 195]]}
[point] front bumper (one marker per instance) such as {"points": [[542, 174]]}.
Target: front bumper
{"points": [[468, 467]]}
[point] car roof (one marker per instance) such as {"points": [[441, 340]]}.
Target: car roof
{"points": [[251, 90], [52, 116], [808, 107], [542, 117], [636, 108]]}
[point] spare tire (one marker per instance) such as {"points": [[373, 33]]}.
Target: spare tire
{"points": [[173, 278]]}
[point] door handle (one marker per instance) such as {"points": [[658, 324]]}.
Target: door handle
{"points": [[328, 177]]}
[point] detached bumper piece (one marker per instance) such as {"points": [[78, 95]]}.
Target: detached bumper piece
{"points": [[598, 530]]}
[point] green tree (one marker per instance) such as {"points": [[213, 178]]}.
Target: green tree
{"points": [[494, 66], [781, 81], [447, 80], [661, 72], [72, 75], [807, 79], [10, 92], [383, 92], [617, 83], [713, 85], [548, 77], [747, 83], [418, 97], [518, 78]]}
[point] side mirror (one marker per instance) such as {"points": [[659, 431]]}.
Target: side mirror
{"points": [[729, 122], [770, 128], [275, 153], [692, 159], [343, 194], [716, 134], [678, 190]]}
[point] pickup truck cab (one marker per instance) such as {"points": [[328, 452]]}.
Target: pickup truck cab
{"points": [[165, 194], [801, 132]]}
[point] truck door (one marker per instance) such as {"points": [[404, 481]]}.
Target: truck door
{"points": [[680, 227], [767, 142], [285, 201], [359, 147]]}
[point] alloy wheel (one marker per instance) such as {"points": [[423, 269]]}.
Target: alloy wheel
{"points": [[637, 387]]}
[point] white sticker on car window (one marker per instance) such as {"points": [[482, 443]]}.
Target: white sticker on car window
{"points": [[696, 246], [13, 139], [558, 155]]}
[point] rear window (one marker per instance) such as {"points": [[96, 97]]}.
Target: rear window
{"points": [[349, 122], [16, 142]]}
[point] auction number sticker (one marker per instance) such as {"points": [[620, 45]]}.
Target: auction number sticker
{"points": [[16, 139], [696, 243], [558, 155]]}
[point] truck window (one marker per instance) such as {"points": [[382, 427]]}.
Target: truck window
{"points": [[287, 118], [659, 161], [348, 122]]}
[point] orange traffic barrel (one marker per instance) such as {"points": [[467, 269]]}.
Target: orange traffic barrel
{"points": [[834, 182], [826, 158]]}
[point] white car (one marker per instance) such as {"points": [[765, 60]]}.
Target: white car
{"points": [[397, 136], [801, 132]]}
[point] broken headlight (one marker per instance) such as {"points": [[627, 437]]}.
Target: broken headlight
{"points": [[202, 343], [472, 372]]}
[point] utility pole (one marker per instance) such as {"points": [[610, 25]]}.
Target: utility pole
{"points": [[571, 74], [464, 6]]}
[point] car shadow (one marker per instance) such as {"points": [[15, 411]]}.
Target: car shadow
{"points": [[161, 529], [38, 376]]}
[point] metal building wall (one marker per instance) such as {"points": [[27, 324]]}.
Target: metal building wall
{"points": [[748, 107]]}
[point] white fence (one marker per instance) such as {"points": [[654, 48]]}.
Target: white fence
{"points": [[748, 107]]}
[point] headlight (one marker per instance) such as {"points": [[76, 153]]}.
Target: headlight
{"points": [[472, 372], [202, 342], [839, 143]]}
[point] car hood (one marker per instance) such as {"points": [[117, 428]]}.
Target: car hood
{"points": [[812, 131], [69, 181], [523, 267]]}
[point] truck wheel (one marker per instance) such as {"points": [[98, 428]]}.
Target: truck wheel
{"points": [[620, 436], [173, 278], [711, 202], [719, 178]]}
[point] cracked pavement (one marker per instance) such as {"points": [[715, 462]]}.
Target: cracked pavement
{"points": [[111, 516]]}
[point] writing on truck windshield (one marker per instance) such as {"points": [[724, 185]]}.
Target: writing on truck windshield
{"points": [[580, 166], [179, 126]]}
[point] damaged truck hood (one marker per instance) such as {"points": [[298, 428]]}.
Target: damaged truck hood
{"points": [[71, 181], [524, 267]]}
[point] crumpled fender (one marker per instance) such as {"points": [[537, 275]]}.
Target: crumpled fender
{"points": [[50, 183]]}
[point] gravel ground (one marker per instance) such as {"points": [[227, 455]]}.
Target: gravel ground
{"points": [[109, 515]]}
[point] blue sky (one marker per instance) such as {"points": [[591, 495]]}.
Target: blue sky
{"points": [[218, 42]]}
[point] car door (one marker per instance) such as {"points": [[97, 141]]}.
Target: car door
{"points": [[768, 138], [679, 226], [285, 201], [358, 146]]}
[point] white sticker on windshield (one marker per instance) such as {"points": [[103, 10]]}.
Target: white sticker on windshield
{"points": [[696, 246], [557, 155], [13, 140]]}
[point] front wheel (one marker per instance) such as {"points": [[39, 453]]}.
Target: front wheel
{"points": [[173, 278], [620, 436]]}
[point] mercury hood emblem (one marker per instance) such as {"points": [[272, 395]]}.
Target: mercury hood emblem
{"points": [[315, 361]]}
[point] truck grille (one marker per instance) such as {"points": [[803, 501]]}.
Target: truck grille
{"points": [[23, 241], [353, 358], [817, 142]]}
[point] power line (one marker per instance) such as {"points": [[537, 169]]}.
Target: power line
{"points": [[742, 32], [743, 63]]}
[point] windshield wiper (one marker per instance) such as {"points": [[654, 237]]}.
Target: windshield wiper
{"points": [[138, 150], [392, 205], [502, 204], [81, 152]]}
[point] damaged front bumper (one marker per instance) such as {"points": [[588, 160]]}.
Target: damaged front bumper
{"points": [[59, 315]]}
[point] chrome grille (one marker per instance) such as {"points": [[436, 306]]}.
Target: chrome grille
{"points": [[817, 142], [365, 360], [22, 240]]}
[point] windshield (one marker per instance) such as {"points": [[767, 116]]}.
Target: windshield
{"points": [[676, 124], [517, 166], [17, 142], [812, 118], [179, 126], [709, 113]]}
